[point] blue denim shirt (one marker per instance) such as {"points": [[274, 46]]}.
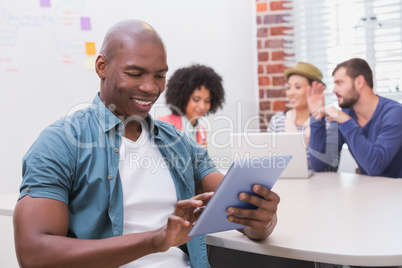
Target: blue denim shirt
{"points": [[75, 160]]}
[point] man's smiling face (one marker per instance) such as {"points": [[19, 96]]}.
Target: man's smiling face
{"points": [[134, 78]]}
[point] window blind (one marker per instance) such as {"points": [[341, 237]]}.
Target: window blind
{"points": [[327, 32]]}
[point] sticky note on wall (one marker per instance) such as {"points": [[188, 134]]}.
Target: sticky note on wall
{"points": [[44, 3], [90, 48], [85, 23], [89, 62]]}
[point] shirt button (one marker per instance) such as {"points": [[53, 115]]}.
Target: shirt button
{"points": [[116, 150], [28, 190], [110, 177]]}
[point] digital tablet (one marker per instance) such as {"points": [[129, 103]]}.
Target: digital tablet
{"points": [[241, 177]]}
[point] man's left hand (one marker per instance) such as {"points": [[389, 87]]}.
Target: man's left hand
{"points": [[333, 114], [261, 221]]}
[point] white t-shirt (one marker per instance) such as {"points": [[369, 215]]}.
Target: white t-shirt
{"points": [[149, 197]]}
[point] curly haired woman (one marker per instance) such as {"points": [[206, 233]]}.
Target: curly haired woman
{"points": [[193, 92]]}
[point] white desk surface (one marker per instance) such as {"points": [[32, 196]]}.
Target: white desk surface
{"points": [[7, 204], [338, 218]]}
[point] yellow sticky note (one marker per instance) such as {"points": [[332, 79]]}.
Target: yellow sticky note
{"points": [[89, 62], [90, 48]]}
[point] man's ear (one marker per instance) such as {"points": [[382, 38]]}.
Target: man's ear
{"points": [[360, 82], [100, 66]]}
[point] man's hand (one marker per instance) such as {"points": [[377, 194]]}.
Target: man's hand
{"points": [[316, 104], [336, 115], [315, 99], [175, 232], [261, 221], [203, 143]]}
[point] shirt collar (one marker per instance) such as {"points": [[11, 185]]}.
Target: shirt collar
{"points": [[107, 119]]}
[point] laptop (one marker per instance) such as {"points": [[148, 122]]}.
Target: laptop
{"points": [[227, 148]]}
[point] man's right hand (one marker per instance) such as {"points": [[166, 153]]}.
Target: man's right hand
{"points": [[175, 232], [203, 143]]}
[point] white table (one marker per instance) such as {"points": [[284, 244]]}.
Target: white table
{"points": [[7, 252], [337, 218], [7, 204]]}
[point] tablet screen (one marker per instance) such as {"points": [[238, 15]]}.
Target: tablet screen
{"points": [[241, 177]]}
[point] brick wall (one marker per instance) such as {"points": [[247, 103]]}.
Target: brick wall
{"points": [[273, 46]]}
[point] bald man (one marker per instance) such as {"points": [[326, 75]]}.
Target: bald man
{"points": [[109, 186]]}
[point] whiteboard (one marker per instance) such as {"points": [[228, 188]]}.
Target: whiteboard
{"points": [[45, 72]]}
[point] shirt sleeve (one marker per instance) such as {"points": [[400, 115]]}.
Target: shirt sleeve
{"points": [[272, 125], [277, 123], [375, 156], [48, 166], [325, 145]]}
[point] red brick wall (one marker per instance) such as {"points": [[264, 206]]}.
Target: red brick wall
{"points": [[273, 32]]}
